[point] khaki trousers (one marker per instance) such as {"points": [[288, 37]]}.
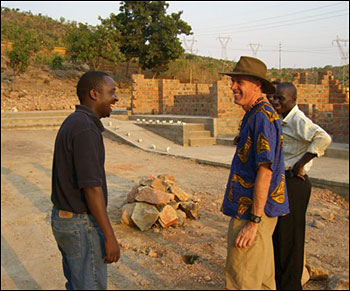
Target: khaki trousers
{"points": [[251, 268]]}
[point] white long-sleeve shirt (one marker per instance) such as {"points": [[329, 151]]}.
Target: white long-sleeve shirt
{"points": [[301, 135]]}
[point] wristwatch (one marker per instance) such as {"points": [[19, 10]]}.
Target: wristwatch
{"points": [[254, 218]]}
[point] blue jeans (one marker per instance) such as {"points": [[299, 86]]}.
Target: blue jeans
{"points": [[81, 243]]}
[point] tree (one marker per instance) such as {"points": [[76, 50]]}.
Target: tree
{"points": [[24, 46], [148, 34], [92, 45]]}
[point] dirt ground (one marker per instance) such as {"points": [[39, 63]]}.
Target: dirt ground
{"points": [[30, 258]]}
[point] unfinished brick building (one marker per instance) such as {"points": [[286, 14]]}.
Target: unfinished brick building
{"points": [[326, 103]]}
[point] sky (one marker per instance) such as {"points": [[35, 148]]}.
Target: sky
{"points": [[286, 34]]}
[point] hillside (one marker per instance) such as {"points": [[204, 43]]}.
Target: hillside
{"points": [[49, 33]]}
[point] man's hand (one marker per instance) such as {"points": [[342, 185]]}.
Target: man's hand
{"points": [[298, 170], [112, 250], [247, 235]]}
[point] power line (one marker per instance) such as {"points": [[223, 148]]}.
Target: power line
{"points": [[274, 26], [269, 18]]}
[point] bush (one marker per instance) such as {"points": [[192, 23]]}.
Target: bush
{"points": [[19, 59], [41, 58], [57, 62]]}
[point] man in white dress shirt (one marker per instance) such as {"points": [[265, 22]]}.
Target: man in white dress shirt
{"points": [[303, 141]]}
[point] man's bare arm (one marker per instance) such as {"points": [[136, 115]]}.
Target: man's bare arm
{"points": [[97, 206]]}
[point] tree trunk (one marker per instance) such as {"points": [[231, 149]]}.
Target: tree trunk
{"points": [[139, 68], [127, 68]]}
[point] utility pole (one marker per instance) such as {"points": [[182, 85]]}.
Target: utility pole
{"points": [[224, 41], [344, 55], [189, 44], [255, 47], [280, 52], [189, 48]]}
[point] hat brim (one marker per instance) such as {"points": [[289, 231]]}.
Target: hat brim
{"points": [[267, 87]]}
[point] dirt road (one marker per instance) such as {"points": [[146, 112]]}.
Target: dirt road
{"points": [[30, 258]]}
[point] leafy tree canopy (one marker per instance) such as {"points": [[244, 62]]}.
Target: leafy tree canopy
{"points": [[148, 33], [92, 45]]}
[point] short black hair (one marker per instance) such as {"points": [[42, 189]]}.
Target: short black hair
{"points": [[290, 87], [90, 80]]}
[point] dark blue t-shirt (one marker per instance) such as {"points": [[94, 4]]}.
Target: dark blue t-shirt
{"points": [[78, 161], [261, 141]]}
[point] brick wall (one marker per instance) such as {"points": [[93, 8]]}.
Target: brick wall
{"points": [[333, 118], [229, 114], [124, 98], [169, 97], [326, 103], [328, 90], [145, 95]]}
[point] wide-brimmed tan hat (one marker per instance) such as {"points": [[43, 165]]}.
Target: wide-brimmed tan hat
{"points": [[248, 66]]}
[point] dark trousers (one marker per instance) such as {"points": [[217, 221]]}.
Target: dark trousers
{"points": [[289, 236]]}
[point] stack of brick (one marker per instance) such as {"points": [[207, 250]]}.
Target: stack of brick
{"points": [[158, 201]]}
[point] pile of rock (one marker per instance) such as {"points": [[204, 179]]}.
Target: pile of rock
{"points": [[158, 201]]}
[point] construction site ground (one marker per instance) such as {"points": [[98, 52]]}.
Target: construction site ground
{"points": [[155, 259]]}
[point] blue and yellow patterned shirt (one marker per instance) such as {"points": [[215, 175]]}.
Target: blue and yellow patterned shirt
{"points": [[261, 141]]}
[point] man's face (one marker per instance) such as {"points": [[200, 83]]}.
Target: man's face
{"points": [[106, 97], [283, 100], [243, 89]]}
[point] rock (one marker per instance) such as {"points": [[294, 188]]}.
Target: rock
{"points": [[144, 215], [338, 282], [329, 216], [168, 216], [127, 211], [152, 196], [180, 195], [207, 278], [125, 246], [155, 183], [152, 254], [174, 204], [305, 276], [190, 208], [14, 94], [316, 271], [132, 194], [317, 224], [167, 177], [22, 94], [314, 212], [181, 217]]}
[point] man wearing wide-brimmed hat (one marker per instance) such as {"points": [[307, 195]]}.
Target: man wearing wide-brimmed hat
{"points": [[256, 193]]}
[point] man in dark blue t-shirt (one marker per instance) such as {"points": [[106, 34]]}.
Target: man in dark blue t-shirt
{"points": [[80, 222]]}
